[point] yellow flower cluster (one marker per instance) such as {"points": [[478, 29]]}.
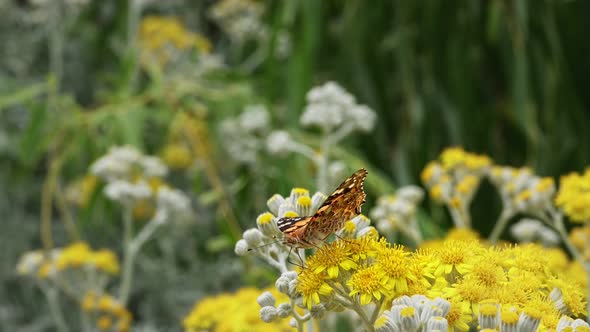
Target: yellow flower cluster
{"points": [[574, 196], [454, 178], [455, 174], [160, 35], [157, 32], [75, 256], [107, 313], [529, 278], [233, 313]]}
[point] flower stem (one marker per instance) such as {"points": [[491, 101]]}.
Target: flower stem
{"points": [[128, 255], [500, 225], [52, 296]]}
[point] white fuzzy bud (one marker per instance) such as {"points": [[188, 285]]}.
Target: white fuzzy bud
{"points": [[437, 323], [284, 310], [241, 248], [268, 314], [292, 288], [317, 311], [266, 299], [274, 203], [282, 285], [253, 237]]}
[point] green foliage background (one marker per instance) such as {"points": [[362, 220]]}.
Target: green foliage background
{"points": [[505, 78]]}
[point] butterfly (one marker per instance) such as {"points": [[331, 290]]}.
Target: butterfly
{"points": [[342, 205]]}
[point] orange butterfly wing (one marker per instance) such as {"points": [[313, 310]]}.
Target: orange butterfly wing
{"points": [[342, 205]]}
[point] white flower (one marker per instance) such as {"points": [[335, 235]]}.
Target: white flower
{"points": [[126, 192], [153, 166], [255, 118], [279, 142], [110, 169], [174, 201], [126, 153], [413, 194], [363, 117], [330, 106], [29, 262]]}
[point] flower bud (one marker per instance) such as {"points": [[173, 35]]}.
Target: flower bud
{"points": [[284, 310], [266, 299], [241, 248], [253, 237], [268, 314]]}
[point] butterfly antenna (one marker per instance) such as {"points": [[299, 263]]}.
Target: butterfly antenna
{"points": [[266, 244]]}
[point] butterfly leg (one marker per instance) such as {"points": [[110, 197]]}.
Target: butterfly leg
{"points": [[293, 263]]}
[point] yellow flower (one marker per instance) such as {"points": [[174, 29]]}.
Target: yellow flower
{"points": [[453, 257], [177, 156], [429, 172], [104, 323], [75, 255], [459, 316], [331, 258], [369, 282], [508, 319], [311, 286], [394, 262], [360, 249], [452, 157], [469, 291], [233, 312], [573, 196], [488, 274], [572, 297], [105, 260]]}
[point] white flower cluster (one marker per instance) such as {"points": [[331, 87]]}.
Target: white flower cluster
{"points": [[244, 136], [521, 190], [241, 20], [31, 261], [532, 230], [331, 107], [415, 314], [397, 213], [268, 311], [127, 172], [123, 162]]}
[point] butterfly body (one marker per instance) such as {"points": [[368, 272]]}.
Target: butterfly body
{"points": [[342, 205]]}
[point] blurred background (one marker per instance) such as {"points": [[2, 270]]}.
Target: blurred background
{"points": [[175, 78]]}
